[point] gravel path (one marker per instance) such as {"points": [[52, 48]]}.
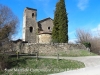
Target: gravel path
{"points": [[84, 71]]}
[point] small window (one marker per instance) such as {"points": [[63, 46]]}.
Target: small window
{"points": [[32, 15], [48, 28], [31, 29]]}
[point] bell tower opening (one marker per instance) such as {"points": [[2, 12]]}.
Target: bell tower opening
{"points": [[31, 29], [32, 15]]}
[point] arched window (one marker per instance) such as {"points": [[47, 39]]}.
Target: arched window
{"points": [[32, 15], [48, 28], [31, 29]]}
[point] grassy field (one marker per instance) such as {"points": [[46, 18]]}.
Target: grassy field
{"points": [[72, 53], [31, 66], [77, 53]]}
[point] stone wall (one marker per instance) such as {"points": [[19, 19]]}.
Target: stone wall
{"points": [[49, 49], [44, 38], [46, 24]]}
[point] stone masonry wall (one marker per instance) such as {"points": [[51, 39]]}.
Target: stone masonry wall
{"points": [[49, 49]]}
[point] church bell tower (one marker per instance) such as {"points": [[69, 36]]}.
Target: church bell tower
{"points": [[30, 25]]}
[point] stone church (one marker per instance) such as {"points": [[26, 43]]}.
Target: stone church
{"points": [[36, 32]]}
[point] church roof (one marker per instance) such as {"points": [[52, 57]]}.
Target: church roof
{"points": [[44, 20], [31, 8]]}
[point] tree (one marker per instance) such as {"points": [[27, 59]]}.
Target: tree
{"points": [[90, 41], [55, 32], [8, 26], [60, 29], [83, 36]]}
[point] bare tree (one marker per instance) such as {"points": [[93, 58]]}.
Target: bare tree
{"points": [[83, 36], [95, 45], [86, 37], [98, 32], [8, 25]]}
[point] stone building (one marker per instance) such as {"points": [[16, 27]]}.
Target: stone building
{"points": [[36, 32]]}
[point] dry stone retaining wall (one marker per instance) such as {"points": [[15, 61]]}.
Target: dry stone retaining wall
{"points": [[48, 49]]}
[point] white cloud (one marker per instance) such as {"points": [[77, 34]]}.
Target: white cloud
{"points": [[82, 4], [72, 41], [96, 31], [72, 38]]}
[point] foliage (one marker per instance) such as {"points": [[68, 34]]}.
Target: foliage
{"points": [[55, 32], [77, 53], [3, 61], [60, 29], [87, 44], [72, 53], [44, 66]]}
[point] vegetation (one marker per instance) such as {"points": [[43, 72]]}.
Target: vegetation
{"points": [[32, 66], [60, 29], [86, 38], [8, 26], [87, 44], [72, 53], [77, 53], [3, 61]]}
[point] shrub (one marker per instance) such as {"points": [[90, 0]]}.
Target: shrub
{"points": [[3, 61], [87, 44]]}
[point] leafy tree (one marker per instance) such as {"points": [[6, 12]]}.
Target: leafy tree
{"points": [[60, 30]]}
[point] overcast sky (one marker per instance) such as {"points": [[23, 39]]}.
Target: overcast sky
{"points": [[84, 14]]}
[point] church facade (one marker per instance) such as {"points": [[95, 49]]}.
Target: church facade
{"points": [[36, 32]]}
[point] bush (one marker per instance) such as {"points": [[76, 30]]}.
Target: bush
{"points": [[95, 45], [3, 61], [86, 38], [87, 44]]}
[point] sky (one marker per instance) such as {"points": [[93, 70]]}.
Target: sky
{"points": [[82, 14]]}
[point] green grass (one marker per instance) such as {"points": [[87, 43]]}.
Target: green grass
{"points": [[72, 53], [77, 53], [31, 66]]}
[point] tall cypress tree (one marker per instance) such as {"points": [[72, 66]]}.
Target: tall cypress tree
{"points": [[55, 32], [60, 30], [63, 23]]}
